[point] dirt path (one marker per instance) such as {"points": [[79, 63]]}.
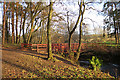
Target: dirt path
{"points": [[17, 63]]}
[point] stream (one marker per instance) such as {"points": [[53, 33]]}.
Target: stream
{"points": [[113, 69]]}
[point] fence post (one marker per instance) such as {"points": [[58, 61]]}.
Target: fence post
{"points": [[37, 48], [58, 47], [62, 47], [22, 45], [55, 47], [73, 47], [31, 46]]}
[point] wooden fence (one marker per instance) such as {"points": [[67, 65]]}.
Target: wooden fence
{"points": [[63, 47]]}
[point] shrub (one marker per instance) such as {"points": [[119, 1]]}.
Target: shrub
{"points": [[96, 63]]}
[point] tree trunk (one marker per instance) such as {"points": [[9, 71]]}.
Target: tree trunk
{"points": [[50, 56], [6, 30], [29, 37], [118, 33], [71, 32], [32, 21], [3, 31], [115, 32], [104, 31], [20, 25], [69, 42], [13, 23], [30, 34], [117, 36], [80, 37], [115, 27], [42, 36], [16, 22], [71, 54], [80, 34], [9, 21], [24, 39]]}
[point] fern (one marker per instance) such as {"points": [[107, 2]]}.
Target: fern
{"points": [[96, 63]]}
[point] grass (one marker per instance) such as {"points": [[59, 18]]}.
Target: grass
{"points": [[8, 45], [107, 44]]}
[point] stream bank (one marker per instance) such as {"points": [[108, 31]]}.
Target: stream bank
{"points": [[110, 64]]}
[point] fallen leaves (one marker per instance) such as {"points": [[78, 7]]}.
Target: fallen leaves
{"points": [[23, 71], [27, 66]]}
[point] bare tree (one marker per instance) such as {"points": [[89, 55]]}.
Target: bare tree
{"points": [[13, 39], [4, 22], [50, 56], [21, 14], [17, 22], [80, 31], [76, 24], [3, 31], [110, 8]]}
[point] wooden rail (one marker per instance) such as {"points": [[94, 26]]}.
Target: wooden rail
{"points": [[25, 45], [63, 47]]}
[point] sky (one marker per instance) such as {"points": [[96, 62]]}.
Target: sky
{"points": [[1, 13], [92, 14]]}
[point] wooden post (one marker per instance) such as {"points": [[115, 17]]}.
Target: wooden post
{"points": [[30, 46], [37, 48], [58, 45], [73, 46], [22, 45], [62, 47]]}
